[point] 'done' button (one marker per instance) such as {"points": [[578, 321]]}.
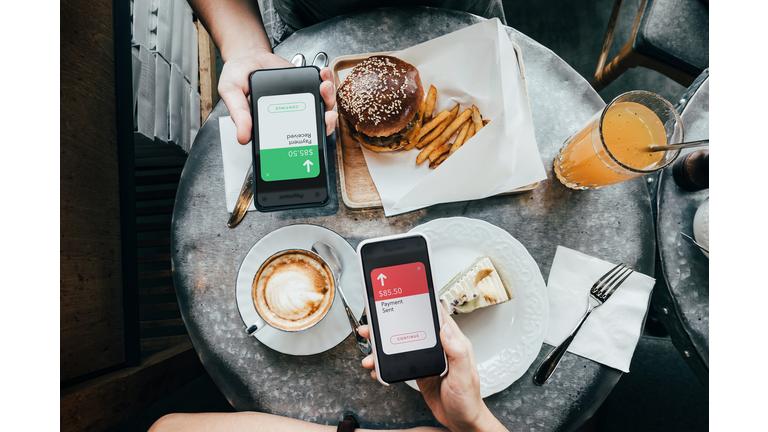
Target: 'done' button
{"points": [[408, 337]]}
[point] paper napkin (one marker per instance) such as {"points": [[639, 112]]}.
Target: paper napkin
{"points": [[610, 334], [237, 159]]}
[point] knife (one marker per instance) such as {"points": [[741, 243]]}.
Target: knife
{"points": [[243, 201], [690, 240]]}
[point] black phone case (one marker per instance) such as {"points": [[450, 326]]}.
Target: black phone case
{"points": [[322, 138], [371, 323]]}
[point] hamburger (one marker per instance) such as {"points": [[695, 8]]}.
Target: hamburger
{"points": [[381, 102]]}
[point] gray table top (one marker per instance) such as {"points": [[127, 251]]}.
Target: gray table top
{"points": [[614, 223], [684, 267]]}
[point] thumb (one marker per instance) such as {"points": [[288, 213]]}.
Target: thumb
{"points": [[457, 347]]}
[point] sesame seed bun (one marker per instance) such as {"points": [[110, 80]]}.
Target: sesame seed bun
{"points": [[379, 99]]}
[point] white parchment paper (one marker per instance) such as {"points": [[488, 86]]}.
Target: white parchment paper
{"points": [[476, 65]]}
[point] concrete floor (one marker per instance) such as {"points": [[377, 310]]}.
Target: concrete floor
{"points": [[660, 392]]}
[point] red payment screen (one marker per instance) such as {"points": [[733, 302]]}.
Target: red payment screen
{"points": [[403, 308]]}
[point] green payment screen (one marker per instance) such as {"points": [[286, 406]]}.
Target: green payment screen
{"points": [[288, 137]]}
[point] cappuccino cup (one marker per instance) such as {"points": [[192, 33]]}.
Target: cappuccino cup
{"points": [[292, 291]]}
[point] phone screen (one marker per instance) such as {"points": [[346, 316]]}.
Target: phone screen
{"points": [[288, 137], [403, 309], [403, 304], [289, 148]]}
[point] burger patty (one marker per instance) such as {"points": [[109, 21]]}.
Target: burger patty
{"points": [[388, 141]]}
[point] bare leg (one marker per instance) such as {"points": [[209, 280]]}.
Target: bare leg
{"points": [[245, 422]]}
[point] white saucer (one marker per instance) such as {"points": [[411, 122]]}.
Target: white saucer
{"points": [[506, 338], [334, 328]]}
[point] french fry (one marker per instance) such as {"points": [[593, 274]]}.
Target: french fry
{"points": [[430, 105], [470, 131], [439, 151], [439, 129], [416, 129], [452, 128], [486, 121], [447, 133], [477, 119], [425, 129], [461, 138], [441, 159], [411, 144]]}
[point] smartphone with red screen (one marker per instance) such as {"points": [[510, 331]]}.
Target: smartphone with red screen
{"points": [[402, 307]]}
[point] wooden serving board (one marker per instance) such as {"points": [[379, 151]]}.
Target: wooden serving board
{"points": [[357, 188]]}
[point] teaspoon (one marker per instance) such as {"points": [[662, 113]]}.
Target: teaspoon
{"points": [[330, 257]]}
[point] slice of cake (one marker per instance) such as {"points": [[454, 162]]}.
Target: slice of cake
{"points": [[484, 283]]}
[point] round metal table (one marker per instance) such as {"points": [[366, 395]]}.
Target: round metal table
{"points": [[614, 224], [681, 295]]}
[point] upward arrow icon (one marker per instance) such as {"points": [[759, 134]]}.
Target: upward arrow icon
{"points": [[381, 277], [308, 164]]}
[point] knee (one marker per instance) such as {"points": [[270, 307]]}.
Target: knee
{"points": [[168, 422]]}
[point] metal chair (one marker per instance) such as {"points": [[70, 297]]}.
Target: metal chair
{"points": [[670, 36]]}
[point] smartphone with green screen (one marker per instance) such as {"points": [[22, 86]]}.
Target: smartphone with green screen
{"points": [[288, 135]]}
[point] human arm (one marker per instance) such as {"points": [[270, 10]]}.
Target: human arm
{"points": [[238, 32], [237, 421], [454, 398], [246, 422]]}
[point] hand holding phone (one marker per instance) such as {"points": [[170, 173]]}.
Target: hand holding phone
{"points": [[402, 307], [234, 88], [454, 399], [289, 149]]}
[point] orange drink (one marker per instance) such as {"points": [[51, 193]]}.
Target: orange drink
{"points": [[614, 145]]}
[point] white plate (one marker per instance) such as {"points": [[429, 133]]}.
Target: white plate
{"points": [[334, 328], [507, 337]]}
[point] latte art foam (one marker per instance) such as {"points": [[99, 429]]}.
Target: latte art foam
{"points": [[292, 294], [293, 290]]}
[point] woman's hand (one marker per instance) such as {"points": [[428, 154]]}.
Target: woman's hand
{"points": [[233, 88], [454, 398]]}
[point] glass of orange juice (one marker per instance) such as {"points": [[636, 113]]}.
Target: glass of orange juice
{"points": [[613, 146]]}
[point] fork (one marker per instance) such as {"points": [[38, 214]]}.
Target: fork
{"points": [[601, 291]]}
